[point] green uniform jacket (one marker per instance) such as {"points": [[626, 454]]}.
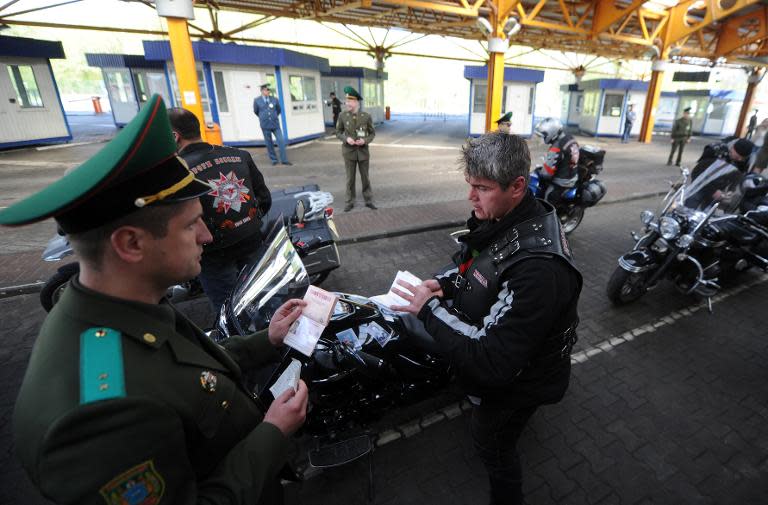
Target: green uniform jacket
{"points": [[358, 125], [173, 425], [681, 130]]}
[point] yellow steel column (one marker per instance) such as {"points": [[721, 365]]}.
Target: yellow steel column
{"points": [[186, 71], [652, 100], [749, 98], [497, 47]]}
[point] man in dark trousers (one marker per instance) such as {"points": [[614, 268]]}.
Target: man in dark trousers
{"points": [[335, 105], [232, 209], [125, 400], [505, 315], [629, 121], [681, 135], [267, 108], [355, 130], [752, 125]]}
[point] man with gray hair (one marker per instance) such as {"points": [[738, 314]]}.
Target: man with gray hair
{"points": [[505, 315]]}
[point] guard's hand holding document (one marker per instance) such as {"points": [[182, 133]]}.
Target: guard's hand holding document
{"points": [[306, 330], [392, 299], [289, 379]]}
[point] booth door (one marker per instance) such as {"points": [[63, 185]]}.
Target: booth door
{"points": [[8, 107], [327, 85], [122, 97], [519, 102], [716, 114], [245, 87]]}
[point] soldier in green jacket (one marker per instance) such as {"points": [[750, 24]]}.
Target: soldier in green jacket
{"points": [[681, 135], [355, 130], [125, 401]]}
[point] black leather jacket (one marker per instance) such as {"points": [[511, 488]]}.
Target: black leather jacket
{"points": [[509, 312], [238, 198]]}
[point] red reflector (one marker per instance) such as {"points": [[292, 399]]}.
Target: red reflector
{"points": [[329, 212]]}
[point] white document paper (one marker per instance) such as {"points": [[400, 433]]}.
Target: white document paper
{"points": [[390, 298], [304, 334], [306, 330], [288, 379]]}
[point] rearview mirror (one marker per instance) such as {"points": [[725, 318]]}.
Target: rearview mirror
{"points": [[300, 211]]}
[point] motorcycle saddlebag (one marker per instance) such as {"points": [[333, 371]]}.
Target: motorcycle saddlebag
{"points": [[592, 192], [591, 159]]}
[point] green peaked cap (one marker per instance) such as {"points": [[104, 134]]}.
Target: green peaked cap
{"points": [[506, 117], [138, 167], [352, 92]]}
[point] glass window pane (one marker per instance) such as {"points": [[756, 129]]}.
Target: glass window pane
{"points": [[612, 105], [272, 82], [119, 86], [25, 86], [310, 93], [478, 102], [296, 88], [221, 91]]}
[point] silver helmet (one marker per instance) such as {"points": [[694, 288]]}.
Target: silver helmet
{"points": [[548, 129]]}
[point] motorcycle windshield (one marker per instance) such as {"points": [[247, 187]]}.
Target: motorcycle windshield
{"points": [[720, 183], [276, 277]]}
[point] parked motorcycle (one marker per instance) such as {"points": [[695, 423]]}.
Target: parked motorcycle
{"points": [[314, 235], [587, 192], [349, 386], [698, 236]]}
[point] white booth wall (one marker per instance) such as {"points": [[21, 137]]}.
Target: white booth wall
{"points": [[571, 104], [606, 104], [31, 112]]}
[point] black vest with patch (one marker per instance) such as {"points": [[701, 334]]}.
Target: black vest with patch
{"points": [[539, 237]]}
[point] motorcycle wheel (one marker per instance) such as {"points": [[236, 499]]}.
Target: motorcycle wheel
{"points": [[571, 219], [625, 287], [54, 287]]}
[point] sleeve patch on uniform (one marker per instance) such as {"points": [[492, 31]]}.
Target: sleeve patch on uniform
{"points": [[101, 365], [141, 485]]}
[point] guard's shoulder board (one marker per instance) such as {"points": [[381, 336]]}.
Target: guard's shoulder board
{"points": [[102, 376]]}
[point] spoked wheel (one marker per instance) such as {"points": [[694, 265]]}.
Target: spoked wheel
{"points": [[626, 287], [570, 219], [52, 290]]}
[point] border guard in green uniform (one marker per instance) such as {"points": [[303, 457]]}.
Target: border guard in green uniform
{"points": [[124, 400], [355, 130]]}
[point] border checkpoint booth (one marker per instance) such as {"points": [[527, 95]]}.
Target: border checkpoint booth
{"points": [[519, 97], [571, 105], [31, 107], [130, 80], [713, 112], [368, 82], [605, 106], [229, 76]]}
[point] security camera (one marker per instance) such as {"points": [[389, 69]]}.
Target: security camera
{"points": [[484, 26], [512, 26]]}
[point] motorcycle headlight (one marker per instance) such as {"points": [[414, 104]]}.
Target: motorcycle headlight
{"points": [[669, 228], [646, 217], [685, 241]]}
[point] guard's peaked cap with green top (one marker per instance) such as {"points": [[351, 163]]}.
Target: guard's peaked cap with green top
{"points": [[352, 93], [505, 118], [138, 167]]}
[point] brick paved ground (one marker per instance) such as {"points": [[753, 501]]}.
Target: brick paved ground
{"points": [[673, 416]]}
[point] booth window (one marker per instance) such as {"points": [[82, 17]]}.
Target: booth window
{"points": [[303, 92], [719, 110], [480, 98], [372, 94], [25, 85], [612, 105], [221, 91]]}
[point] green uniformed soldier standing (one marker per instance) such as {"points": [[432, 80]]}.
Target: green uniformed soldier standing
{"points": [[124, 400], [681, 135], [355, 130]]}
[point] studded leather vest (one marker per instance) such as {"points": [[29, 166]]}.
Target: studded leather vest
{"points": [[539, 237]]}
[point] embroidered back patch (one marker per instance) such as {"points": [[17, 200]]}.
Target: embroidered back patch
{"points": [[141, 485]]}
